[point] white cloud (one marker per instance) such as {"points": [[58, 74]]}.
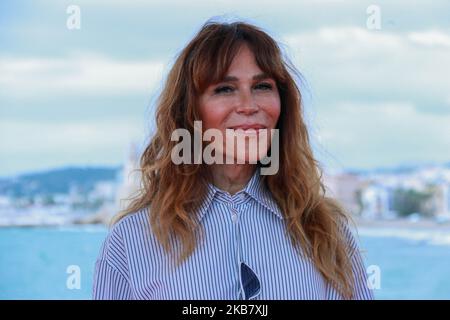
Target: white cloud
{"points": [[31, 137], [345, 42], [200, 3], [382, 133], [346, 35], [430, 38], [354, 63], [28, 145], [85, 73]]}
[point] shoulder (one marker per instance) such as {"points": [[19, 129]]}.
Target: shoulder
{"points": [[345, 225], [361, 289], [128, 230], [131, 223], [349, 235]]}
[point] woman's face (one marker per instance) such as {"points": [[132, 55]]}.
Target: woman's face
{"points": [[246, 101]]}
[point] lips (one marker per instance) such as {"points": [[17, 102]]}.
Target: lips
{"points": [[248, 127]]}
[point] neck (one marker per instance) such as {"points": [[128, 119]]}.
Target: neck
{"points": [[232, 177]]}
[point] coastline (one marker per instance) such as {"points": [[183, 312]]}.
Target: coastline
{"points": [[427, 232], [421, 224]]}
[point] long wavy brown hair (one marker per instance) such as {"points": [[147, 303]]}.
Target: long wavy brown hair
{"points": [[173, 192]]}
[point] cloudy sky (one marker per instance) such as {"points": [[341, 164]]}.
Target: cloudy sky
{"points": [[375, 97]]}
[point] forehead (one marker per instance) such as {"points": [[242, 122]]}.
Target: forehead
{"points": [[255, 77], [244, 56], [240, 60], [243, 63]]}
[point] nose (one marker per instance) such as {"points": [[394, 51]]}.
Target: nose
{"points": [[247, 104]]}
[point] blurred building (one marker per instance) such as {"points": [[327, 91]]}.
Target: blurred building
{"points": [[130, 178], [439, 203], [345, 187], [376, 200], [120, 192]]}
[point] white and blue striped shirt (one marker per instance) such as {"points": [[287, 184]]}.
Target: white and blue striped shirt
{"points": [[133, 265]]}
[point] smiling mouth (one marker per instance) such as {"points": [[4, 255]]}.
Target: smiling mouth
{"points": [[248, 128]]}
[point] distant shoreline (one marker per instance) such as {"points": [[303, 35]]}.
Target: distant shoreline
{"points": [[427, 232], [358, 222], [402, 224]]}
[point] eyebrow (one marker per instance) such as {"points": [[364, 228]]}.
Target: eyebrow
{"points": [[259, 76]]}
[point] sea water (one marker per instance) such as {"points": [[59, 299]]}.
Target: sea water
{"points": [[41, 262]]}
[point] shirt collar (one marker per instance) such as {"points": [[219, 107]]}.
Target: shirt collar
{"points": [[255, 188]]}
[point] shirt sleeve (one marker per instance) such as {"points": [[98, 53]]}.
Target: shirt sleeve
{"points": [[361, 290], [111, 276]]}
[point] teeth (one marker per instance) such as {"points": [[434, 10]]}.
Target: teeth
{"points": [[249, 129]]}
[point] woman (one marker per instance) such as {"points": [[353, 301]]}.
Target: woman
{"points": [[220, 230]]}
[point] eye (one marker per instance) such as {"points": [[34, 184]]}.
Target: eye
{"points": [[223, 89], [264, 86]]}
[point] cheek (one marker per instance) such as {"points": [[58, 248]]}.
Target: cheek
{"points": [[212, 116], [273, 110]]}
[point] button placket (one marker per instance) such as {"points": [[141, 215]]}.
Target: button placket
{"points": [[234, 214], [236, 227]]}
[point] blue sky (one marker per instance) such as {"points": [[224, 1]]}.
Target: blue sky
{"points": [[374, 98]]}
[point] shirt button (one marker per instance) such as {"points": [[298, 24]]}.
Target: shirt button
{"points": [[234, 217]]}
